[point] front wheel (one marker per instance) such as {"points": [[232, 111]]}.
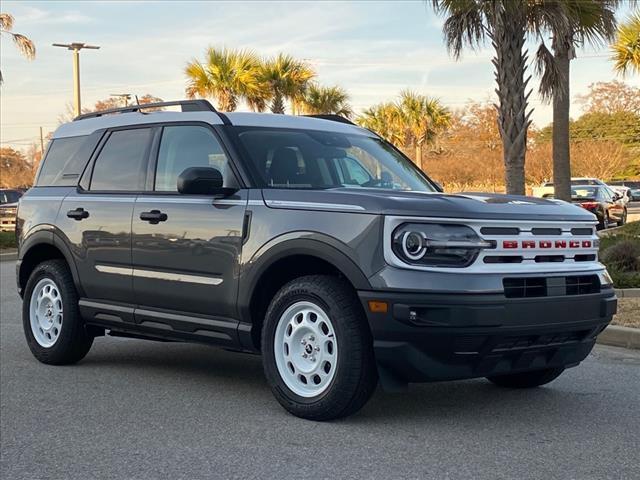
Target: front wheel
{"points": [[317, 349], [51, 319], [527, 379]]}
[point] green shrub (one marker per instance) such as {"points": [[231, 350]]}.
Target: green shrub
{"points": [[623, 256], [7, 239]]}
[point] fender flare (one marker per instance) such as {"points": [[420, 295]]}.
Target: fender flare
{"points": [[312, 244], [47, 235]]}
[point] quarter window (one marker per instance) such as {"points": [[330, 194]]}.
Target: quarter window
{"points": [[64, 162], [187, 146], [120, 165]]}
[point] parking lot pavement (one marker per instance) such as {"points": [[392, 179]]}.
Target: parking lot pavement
{"points": [[146, 410], [633, 211]]}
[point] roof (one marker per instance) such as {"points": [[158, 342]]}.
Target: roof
{"points": [[86, 126]]}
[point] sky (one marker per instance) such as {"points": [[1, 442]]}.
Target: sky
{"points": [[373, 49]]}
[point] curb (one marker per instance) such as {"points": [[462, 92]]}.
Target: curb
{"points": [[9, 254], [628, 292], [625, 337]]}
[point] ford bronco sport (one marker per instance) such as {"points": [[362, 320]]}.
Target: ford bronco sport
{"points": [[309, 240]]}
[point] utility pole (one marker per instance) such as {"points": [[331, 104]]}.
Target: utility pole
{"points": [[41, 144], [75, 48]]}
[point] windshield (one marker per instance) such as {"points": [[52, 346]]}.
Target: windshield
{"points": [[9, 196], [311, 159], [584, 192]]}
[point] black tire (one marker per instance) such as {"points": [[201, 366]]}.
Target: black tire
{"points": [[603, 221], [356, 375], [527, 379], [623, 220], [73, 342]]}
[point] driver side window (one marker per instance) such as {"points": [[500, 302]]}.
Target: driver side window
{"points": [[185, 146]]}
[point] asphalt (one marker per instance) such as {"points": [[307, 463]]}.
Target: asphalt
{"points": [[145, 410]]}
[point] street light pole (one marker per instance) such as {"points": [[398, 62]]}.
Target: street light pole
{"points": [[75, 48]]}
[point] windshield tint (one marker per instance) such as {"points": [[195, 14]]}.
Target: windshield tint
{"points": [[584, 192], [311, 159]]}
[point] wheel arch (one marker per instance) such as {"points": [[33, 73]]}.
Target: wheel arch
{"points": [[281, 261], [39, 246]]}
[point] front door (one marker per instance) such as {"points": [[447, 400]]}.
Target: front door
{"points": [[186, 248]]}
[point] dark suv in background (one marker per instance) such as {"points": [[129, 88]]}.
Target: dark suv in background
{"points": [[311, 241]]}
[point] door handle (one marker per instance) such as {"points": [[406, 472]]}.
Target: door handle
{"points": [[154, 217], [78, 213]]}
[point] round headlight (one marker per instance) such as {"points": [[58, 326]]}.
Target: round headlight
{"points": [[414, 245]]}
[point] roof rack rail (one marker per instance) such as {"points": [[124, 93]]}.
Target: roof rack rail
{"points": [[187, 106], [332, 117]]}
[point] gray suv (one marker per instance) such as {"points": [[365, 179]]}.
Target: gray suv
{"points": [[310, 241]]}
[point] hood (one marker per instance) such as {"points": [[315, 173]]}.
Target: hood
{"points": [[417, 204]]}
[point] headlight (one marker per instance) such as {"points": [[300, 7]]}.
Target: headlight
{"points": [[437, 245]]}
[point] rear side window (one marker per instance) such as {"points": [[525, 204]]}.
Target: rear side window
{"points": [[64, 162], [121, 162]]}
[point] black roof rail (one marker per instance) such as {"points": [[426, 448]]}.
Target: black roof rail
{"points": [[198, 105], [333, 117]]}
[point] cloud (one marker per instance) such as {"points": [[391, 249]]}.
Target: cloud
{"points": [[38, 16]]}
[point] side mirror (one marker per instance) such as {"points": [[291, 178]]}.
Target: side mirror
{"points": [[616, 197], [202, 181]]}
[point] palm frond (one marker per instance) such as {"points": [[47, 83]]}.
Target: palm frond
{"points": [[6, 21]]}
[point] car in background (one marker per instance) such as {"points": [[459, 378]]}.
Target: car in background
{"points": [[546, 189], [633, 185], [8, 208], [602, 202], [624, 193]]}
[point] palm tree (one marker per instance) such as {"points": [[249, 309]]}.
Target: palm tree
{"points": [[385, 120], [504, 23], [286, 79], [325, 100], [228, 76], [422, 118], [590, 21], [626, 49], [412, 122], [24, 44]]}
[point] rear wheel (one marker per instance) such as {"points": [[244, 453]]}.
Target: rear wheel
{"points": [[527, 379], [51, 319], [623, 219], [317, 349]]}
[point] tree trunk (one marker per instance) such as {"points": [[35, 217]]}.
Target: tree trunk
{"points": [[277, 104], [419, 156], [561, 103], [508, 39]]}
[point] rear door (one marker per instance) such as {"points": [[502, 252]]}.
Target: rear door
{"points": [[188, 261], [97, 219]]}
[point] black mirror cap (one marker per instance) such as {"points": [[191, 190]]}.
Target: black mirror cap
{"points": [[201, 181]]}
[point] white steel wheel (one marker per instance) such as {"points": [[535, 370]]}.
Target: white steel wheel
{"points": [[305, 349], [45, 312]]}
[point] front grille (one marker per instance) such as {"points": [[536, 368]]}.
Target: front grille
{"points": [[582, 285], [528, 287]]}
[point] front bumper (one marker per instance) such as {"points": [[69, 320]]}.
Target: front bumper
{"points": [[427, 337]]}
